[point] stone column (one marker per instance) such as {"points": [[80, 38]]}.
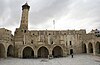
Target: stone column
{"points": [[50, 56], [87, 48], [20, 53], [5, 53], [94, 49], [35, 53], [50, 51]]}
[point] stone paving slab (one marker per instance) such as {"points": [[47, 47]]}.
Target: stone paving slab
{"points": [[77, 60]]}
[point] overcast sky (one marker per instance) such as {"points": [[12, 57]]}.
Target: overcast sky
{"points": [[68, 14]]}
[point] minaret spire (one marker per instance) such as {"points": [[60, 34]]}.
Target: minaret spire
{"points": [[24, 18]]}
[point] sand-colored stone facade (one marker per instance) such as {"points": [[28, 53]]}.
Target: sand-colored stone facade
{"points": [[45, 43]]}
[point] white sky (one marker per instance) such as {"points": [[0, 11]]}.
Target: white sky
{"points": [[68, 14]]}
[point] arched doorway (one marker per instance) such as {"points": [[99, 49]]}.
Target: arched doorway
{"points": [[84, 50], [43, 52], [2, 51], [97, 47], [10, 51], [90, 48], [28, 52], [57, 51]]}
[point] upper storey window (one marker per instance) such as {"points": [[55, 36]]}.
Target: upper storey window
{"points": [[49, 34], [24, 31], [52, 42], [70, 42], [32, 41], [64, 33], [66, 43]]}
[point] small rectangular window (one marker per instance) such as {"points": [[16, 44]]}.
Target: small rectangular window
{"points": [[66, 43], [24, 31], [32, 41], [70, 43], [52, 42]]}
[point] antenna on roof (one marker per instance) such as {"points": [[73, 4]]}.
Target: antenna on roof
{"points": [[54, 23]]}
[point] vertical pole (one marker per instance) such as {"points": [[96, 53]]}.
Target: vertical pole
{"points": [[54, 23]]}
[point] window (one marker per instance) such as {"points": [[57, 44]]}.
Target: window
{"points": [[33, 33], [66, 43], [64, 33], [49, 34], [70, 43], [15, 32], [32, 41], [11, 40], [23, 42], [24, 31], [52, 42]]}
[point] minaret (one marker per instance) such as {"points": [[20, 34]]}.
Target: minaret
{"points": [[24, 18]]}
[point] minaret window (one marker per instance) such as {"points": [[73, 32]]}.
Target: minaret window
{"points": [[70, 42], [24, 31], [66, 43], [23, 42]]}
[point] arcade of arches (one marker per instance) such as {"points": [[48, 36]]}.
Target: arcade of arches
{"points": [[90, 48], [84, 48], [8, 53], [43, 51]]}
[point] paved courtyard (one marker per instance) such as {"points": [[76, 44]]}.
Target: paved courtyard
{"points": [[81, 59]]}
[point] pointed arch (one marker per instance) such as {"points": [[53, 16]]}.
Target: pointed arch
{"points": [[90, 48], [43, 52], [28, 52], [84, 50], [97, 46], [57, 51], [10, 51]]}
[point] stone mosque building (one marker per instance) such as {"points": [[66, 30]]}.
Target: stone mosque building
{"points": [[43, 43]]}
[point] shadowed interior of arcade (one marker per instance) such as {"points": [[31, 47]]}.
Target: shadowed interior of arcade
{"points": [[43, 52], [90, 48], [57, 52], [10, 51], [84, 50], [97, 46], [28, 52]]}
